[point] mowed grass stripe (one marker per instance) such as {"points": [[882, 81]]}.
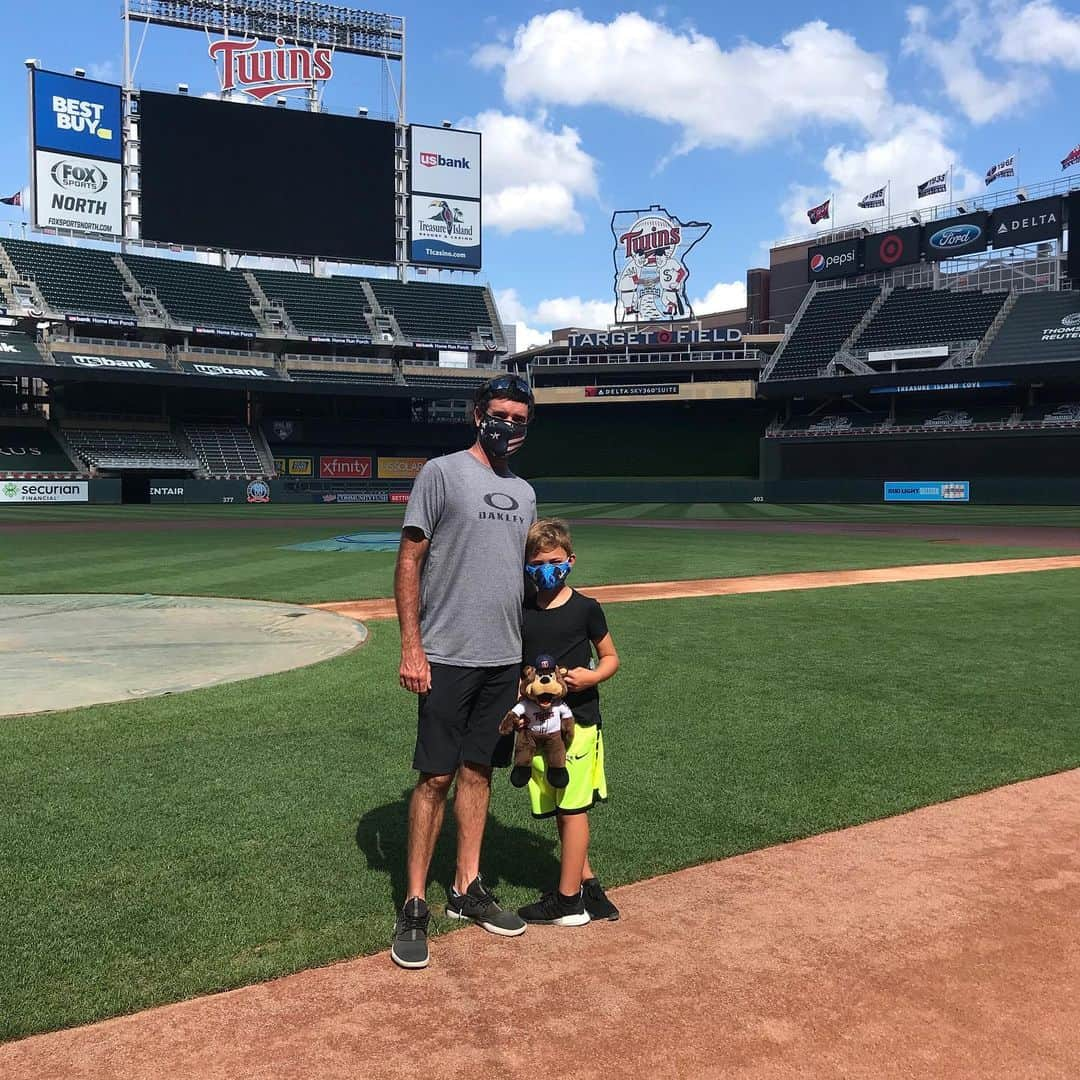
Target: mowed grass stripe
{"points": [[164, 848]]}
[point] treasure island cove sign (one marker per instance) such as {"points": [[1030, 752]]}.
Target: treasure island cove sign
{"points": [[650, 264]]}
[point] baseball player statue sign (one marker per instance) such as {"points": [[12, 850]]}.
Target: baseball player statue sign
{"points": [[650, 264]]}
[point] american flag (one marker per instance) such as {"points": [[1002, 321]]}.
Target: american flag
{"points": [[1002, 168], [875, 198], [1071, 158], [819, 213], [934, 186]]}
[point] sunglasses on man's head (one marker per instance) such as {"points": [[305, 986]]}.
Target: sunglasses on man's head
{"points": [[510, 382]]}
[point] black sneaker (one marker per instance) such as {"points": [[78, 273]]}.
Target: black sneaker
{"points": [[554, 909], [482, 907], [410, 935], [597, 903]]}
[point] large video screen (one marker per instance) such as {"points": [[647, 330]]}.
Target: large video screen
{"points": [[259, 178]]}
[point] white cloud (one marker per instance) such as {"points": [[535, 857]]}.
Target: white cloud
{"points": [[573, 311], [107, 71], [743, 96], [1040, 33], [978, 96], [723, 296], [533, 174], [912, 150]]}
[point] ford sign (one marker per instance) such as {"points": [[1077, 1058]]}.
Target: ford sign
{"points": [[955, 236]]}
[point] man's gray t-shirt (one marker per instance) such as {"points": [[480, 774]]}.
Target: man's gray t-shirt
{"points": [[473, 580]]}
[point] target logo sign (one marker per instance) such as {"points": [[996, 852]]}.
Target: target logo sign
{"points": [[891, 249]]}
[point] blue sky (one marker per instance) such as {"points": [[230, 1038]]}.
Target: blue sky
{"points": [[739, 116]]}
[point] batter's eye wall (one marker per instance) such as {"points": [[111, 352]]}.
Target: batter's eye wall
{"points": [[258, 178]]}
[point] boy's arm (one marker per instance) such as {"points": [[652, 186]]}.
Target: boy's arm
{"points": [[415, 671], [607, 663]]}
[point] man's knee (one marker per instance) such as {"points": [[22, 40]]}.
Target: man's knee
{"points": [[473, 775], [434, 786]]}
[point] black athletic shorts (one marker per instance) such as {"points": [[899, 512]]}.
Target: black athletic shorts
{"points": [[458, 718]]}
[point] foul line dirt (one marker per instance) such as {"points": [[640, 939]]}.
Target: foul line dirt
{"points": [[938, 944], [374, 610]]}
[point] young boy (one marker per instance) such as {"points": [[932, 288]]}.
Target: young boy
{"points": [[566, 625]]}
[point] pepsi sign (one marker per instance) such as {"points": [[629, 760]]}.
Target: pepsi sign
{"points": [[956, 236], [76, 116], [842, 259]]}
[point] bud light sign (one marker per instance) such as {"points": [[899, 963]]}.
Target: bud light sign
{"points": [[956, 236], [842, 259], [76, 116]]}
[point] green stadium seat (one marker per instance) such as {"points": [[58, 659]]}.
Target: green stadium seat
{"points": [[73, 280], [197, 293]]}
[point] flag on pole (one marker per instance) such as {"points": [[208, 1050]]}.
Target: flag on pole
{"points": [[934, 186], [1071, 158], [13, 200], [819, 213], [875, 198], [1002, 168]]}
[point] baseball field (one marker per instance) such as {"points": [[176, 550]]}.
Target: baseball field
{"points": [[169, 847]]}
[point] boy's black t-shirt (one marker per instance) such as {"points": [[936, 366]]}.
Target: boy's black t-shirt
{"points": [[566, 633]]}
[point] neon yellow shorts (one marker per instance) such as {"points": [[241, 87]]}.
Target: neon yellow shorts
{"points": [[588, 783]]}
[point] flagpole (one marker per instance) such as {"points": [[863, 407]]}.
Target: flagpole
{"points": [[952, 201], [888, 205]]}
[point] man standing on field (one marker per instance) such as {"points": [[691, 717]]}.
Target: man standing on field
{"points": [[459, 586]]}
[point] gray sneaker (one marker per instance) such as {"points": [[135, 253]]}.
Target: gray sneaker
{"points": [[409, 949], [482, 906]]}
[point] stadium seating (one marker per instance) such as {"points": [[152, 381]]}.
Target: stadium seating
{"points": [[829, 318], [196, 293], [916, 317], [115, 448], [1041, 327], [430, 312], [225, 449], [31, 449], [73, 280], [331, 306], [344, 375], [1062, 414]]}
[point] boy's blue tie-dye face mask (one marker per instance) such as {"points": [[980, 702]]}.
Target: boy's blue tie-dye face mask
{"points": [[548, 575]]}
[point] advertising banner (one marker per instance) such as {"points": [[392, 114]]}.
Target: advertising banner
{"points": [[956, 236], [898, 247], [720, 335], [649, 254], [639, 390], [228, 371], [101, 320], [841, 259], [20, 347], [1028, 222], [927, 491], [444, 232], [78, 194], [44, 491], [444, 161], [352, 497], [103, 362], [76, 116], [345, 467], [400, 468], [399, 496], [301, 466]]}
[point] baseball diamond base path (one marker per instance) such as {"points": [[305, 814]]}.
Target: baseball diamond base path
{"points": [[938, 944], [373, 610]]}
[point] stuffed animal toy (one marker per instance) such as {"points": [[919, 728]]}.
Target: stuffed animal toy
{"points": [[544, 723]]}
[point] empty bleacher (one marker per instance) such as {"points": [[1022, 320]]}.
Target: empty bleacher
{"points": [[29, 449], [829, 318], [72, 280], [334, 306], [1040, 327], [196, 293], [917, 317], [128, 448], [434, 312], [225, 449]]}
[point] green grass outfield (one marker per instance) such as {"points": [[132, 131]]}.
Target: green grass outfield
{"points": [[194, 551], [158, 849]]}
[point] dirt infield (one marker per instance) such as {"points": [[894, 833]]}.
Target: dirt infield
{"points": [[374, 610], [938, 944]]}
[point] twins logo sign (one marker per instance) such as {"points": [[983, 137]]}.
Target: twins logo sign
{"points": [[650, 264]]}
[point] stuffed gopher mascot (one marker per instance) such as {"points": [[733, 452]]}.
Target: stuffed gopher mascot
{"points": [[544, 724]]}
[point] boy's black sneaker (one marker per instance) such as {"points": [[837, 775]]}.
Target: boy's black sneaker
{"points": [[482, 906], [597, 903], [409, 949], [554, 909]]}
